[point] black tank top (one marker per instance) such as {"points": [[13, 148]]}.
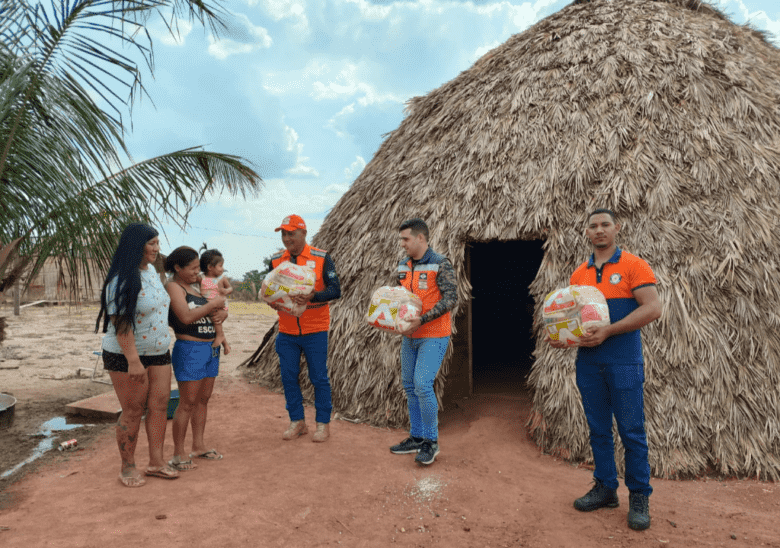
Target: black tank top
{"points": [[200, 329]]}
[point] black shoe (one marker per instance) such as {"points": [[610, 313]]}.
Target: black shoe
{"points": [[638, 511], [409, 445], [428, 451], [599, 497]]}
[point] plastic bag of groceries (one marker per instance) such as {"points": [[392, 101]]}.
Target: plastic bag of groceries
{"points": [[569, 312], [285, 281], [392, 308]]}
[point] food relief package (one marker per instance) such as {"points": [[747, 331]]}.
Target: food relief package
{"points": [[392, 308], [285, 281], [569, 312]]}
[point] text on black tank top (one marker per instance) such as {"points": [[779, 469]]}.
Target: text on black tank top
{"points": [[200, 329]]}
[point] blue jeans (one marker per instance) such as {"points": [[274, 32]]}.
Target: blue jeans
{"points": [[315, 347], [617, 390], [420, 362]]}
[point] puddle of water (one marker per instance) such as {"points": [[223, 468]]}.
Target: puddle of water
{"points": [[48, 429], [57, 424]]}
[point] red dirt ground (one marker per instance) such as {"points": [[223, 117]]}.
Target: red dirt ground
{"points": [[490, 486]]}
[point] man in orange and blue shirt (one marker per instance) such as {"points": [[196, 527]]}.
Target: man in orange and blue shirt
{"points": [[610, 369], [307, 334], [431, 277]]}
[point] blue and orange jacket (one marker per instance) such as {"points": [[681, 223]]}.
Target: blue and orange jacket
{"points": [[421, 279], [316, 317]]}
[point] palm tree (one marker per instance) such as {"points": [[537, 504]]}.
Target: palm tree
{"points": [[63, 91]]}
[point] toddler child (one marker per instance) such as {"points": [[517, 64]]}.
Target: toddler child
{"points": [[212, 284]]}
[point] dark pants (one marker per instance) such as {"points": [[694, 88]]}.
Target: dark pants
{"points": [[617, 390], [315, 348]]}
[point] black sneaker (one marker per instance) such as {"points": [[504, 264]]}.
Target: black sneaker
{"points": [[638, 511], [428, 451], [409, 445], [600, 496]]}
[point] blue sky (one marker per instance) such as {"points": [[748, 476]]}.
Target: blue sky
{"points": [[306, 89]]}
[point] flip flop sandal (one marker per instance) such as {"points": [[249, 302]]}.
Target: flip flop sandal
{"points": [[164, 472], [132, 481], [211, 454], [182, 465]]}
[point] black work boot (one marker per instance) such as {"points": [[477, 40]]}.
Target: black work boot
{"points": [[638, 511], [600, 496]]}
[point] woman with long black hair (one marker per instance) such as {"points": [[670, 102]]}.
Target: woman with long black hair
{"points": [[134, 308]]}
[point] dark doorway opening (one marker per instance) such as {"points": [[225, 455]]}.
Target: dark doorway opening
{"points": [[502, 312]]}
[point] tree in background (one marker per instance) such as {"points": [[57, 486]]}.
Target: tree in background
{"points": [[255, 276], [63, 90]]}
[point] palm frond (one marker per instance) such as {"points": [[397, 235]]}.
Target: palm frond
{"points": [[59, 187], [83, 226]]}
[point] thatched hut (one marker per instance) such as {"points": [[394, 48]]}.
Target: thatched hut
{"points": [[664, 111]]}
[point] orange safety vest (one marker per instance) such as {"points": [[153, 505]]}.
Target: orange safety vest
{"points": [[316, 317], [421, 280]]}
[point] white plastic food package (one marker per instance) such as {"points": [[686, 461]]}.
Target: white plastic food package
{"points": [[570, 311], [286, 281], [392, 308]]}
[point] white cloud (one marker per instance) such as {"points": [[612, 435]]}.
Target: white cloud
{"points": [[323, 81], [378, 49], [255, 38], [759, 19], [303, 170], [337, 189], [292, 81], [351, 172], [300, 167], [347, 83], [224, 48], [288, 9], [282, 197], [334, 124], [175, 36], [482, 50], [371, 12]]}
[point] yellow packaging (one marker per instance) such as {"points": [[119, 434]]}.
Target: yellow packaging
{"points": [[570, 311], [392, 308], [285, 281]]}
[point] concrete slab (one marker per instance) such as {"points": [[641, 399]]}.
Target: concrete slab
{"points": [[105, 406]]}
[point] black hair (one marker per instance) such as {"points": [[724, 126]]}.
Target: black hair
{"points": [[181, 257], [210, 257], [603, 210], [125, 268], [417, 226]]}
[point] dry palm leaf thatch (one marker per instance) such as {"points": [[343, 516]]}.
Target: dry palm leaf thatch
{"points": [[664, 111]]}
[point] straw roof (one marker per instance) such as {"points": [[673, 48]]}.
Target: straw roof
{"points": [[667, 113]]}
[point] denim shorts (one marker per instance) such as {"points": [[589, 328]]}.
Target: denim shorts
{"points": [[194, 360]]}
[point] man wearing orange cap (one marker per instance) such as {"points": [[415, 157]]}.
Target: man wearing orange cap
{"points": [[307, 334]]}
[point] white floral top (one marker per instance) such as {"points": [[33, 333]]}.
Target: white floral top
{"points": [[152, 336]]}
